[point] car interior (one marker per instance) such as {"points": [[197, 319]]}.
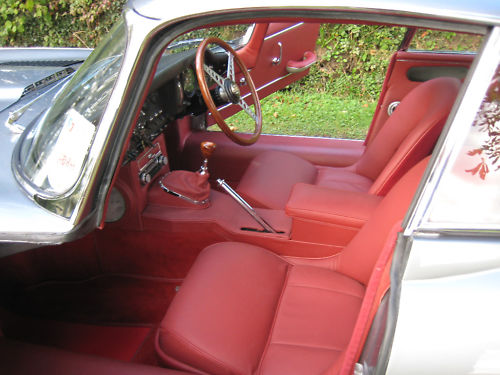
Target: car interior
{"points": [[221, 253]]}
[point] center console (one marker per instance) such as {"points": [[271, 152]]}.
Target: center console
{"points": [[326, 215]]}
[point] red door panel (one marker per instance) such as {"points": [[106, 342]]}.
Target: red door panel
{"points": [[269, 51], [409, 69]]}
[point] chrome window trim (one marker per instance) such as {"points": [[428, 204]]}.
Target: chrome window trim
{"points": [[278, 33], [456, 130]]}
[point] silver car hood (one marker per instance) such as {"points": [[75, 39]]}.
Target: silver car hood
{"points": [[22, 67]]}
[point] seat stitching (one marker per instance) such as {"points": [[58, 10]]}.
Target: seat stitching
{"points": [[202, 352], [275, 318], [327, 290], [308, 346]]}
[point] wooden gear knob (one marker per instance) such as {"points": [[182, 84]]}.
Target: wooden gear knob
{"points": [[207, 148]]}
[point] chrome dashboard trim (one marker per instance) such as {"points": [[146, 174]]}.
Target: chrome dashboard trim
{"points": [[179, 195]]}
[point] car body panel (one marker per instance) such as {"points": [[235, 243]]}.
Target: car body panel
{"points": [[447, 307]]}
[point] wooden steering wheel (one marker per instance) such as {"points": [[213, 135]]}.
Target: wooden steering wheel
{"points": [[228, 90]]}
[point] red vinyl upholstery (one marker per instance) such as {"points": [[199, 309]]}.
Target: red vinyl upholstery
{"points": [[408, 135], [245, 310]]}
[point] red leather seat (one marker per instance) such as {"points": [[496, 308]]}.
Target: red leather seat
{"points": [[408, 136], [245, 310]]}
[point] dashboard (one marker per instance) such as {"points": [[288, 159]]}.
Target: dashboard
{"points": [[174, 93]]}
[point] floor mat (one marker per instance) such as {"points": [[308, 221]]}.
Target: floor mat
{"points": [[109, 299]]}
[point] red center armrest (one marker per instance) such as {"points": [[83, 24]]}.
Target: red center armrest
{"points": [[327, 215]]}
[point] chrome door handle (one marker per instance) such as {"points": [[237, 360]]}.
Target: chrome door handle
{"points": [[277, 60]]}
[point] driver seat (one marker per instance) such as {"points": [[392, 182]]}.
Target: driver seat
{"points": [[407, 136]]}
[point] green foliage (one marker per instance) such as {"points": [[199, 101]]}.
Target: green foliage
{"points": [[353, 59], [435, 40], [52, 23]]}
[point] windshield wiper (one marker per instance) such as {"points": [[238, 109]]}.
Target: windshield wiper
{"points": [[44, 82], [185, 43]]}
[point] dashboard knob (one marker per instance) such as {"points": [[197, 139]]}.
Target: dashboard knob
{"points": [[145, 178], [163, 160]]}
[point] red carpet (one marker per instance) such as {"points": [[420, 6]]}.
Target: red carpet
{"points": [[103, 300], [113, 316], [121, 343]]}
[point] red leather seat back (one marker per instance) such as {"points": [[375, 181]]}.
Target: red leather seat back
{"points": [[409, 134], [358, 258]]}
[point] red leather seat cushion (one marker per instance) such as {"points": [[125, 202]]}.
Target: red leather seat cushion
{"points": [[409, 134], [270, 177], [343, 179], [242, 309]]}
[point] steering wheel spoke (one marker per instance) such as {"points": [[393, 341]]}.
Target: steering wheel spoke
{"points": [[214, 75], [228, 90], [230, 67], [248, 110]]}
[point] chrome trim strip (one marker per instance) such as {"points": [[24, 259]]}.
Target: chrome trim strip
{"points": [[283, 31], [179, 195]]}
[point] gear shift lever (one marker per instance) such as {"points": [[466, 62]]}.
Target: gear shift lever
{"points": [[207, 149], [190, 187]]}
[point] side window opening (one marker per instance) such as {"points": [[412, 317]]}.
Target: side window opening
{"points": [[337, 99], [445, 41]]}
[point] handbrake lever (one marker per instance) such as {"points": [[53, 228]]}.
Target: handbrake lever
{"points": [[249, 209]]}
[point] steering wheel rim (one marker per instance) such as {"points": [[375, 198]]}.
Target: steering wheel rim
{"points": [[230, 87]]}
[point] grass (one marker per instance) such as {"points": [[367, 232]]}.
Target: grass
{"points": [[316, 114]]}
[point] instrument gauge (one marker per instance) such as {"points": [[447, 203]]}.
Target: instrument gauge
{"points": [[116, 206]]}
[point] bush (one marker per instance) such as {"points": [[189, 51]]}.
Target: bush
{"points": [[56, 23], [352, 59]]}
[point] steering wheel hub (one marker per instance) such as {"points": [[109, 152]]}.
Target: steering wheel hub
{"points": [[229, 92]]}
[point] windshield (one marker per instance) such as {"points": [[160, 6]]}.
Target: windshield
{"points": [[236, 35], [53, 152]]}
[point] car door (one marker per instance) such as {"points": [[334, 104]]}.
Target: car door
{"points": [[275, 59]]}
